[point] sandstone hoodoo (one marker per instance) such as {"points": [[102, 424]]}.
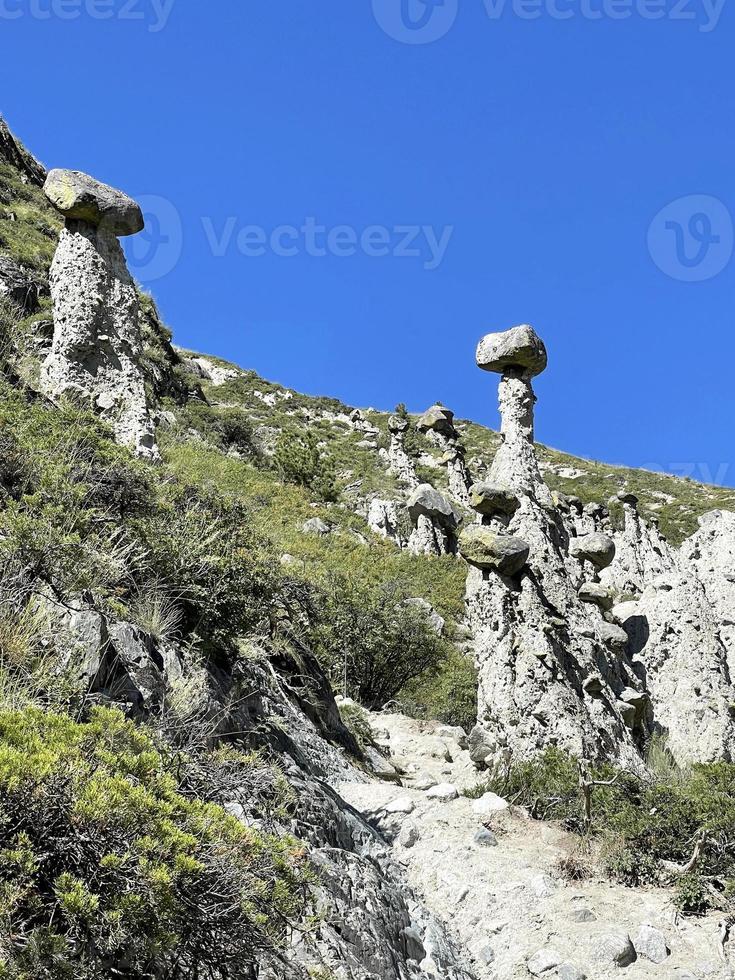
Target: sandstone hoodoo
{"points": [[400, 463], [96, 351], [435, 521]]}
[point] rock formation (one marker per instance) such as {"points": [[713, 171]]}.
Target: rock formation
{"points": [[435, 522], [438, 425], [400, 463], [538, 646], [96, 351]]}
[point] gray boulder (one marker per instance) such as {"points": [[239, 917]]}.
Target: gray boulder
{"points": [[519, 347], [599, 549], [82, 198], [489, 500], [613, 636], [315, 525], [484, 548], [543, 961], [613, 949], [651, 944], [426, 501], [597, 595], [437, 419]]}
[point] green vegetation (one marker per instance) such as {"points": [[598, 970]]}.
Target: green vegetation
{"points": [[106, 860], [676, 826], [29, 226]]}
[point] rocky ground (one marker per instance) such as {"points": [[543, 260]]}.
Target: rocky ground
{"points": [[492, 875]]}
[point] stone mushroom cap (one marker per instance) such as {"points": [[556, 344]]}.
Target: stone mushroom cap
{"points": [[483, 548], [438, 418], [397, 424], [426, 501], [78, 196], [599, 549], [520, 347], [488, 499]]}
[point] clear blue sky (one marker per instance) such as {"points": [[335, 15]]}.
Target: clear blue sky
{"points": [[546, 146]]}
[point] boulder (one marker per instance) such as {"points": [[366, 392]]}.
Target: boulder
{"points": [[651, 944], [486, 838], [613, 949], [599, 549], [519, 347], [597, 595], [444, 792], [82, 198], [489, 803], [315, 525], [398, 424], [426, 501], [484, 548], [543, 961], [489, 500], [437, 419], [614, 636], [568, 971]]}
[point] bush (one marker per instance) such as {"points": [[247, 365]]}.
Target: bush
{"points": [[298, 459], [370, 642], [448, 695], [106, 864]]}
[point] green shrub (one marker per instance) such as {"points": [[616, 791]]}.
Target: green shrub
{"points": [[104, 862], [298, 459], [448, 695], [370, 642]]}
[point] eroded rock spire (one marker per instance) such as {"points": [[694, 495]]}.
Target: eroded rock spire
{"points": [[96, 350]]}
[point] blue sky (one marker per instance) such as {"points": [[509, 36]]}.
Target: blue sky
{"points": [[346, 194]]}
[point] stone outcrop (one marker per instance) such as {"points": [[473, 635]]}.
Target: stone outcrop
{"points": [[537, 644], [435, 522], [437, 423], [96, 350], [400, 463]]}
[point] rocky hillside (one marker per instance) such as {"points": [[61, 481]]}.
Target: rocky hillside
{"points": [[194, 561]]}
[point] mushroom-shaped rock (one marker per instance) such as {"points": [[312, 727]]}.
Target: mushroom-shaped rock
{"points": [[78, 196], [626, 497], [438, 418], [426, 501], [520, 347], [597, 595], [397, 424], [599, 549], [482, 547], [489, 499]]}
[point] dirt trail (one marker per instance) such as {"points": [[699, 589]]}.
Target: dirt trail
{"points": [[502, 893]]}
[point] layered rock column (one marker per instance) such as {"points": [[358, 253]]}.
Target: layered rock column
{"points": [[548, 671], [401, 464], [438, 424], [95, 355]]}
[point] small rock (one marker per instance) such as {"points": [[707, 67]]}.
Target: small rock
{"points": [[486, 838], [445, 792], [597, 595], [650, 942], [404, 804], [568, 971], [315, 525], [414, 945], [543, 886], [613, 949], [582, 915], [423, 783], [484, 954], [489, 803], [543, 961], [408, 835]]}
